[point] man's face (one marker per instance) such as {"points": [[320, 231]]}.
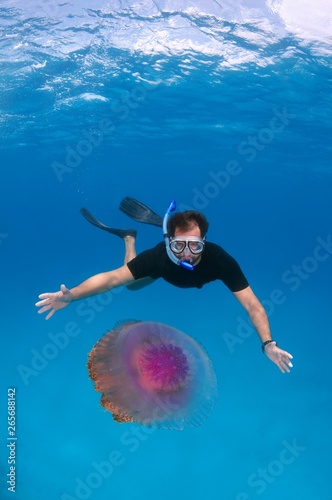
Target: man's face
{"points": [[187, 255]]}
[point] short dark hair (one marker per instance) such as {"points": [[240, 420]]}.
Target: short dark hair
{"points": [[186, 220]]}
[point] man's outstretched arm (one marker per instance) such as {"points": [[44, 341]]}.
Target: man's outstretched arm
{"points": [[100, 283], [260, 321]]}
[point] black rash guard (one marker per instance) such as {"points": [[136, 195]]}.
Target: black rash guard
{"points": [[215, 264]]}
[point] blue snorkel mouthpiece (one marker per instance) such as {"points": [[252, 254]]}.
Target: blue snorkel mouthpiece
{"points": [[186, 265], [181, 263]]}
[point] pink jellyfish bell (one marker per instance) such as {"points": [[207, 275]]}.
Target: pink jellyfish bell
{"points": [[153, 374]]}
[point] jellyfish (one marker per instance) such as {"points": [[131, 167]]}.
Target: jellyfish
{"points": [[153, 374]]}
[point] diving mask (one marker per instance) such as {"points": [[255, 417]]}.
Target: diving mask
{"points": [[193, 244], [177, 245]]}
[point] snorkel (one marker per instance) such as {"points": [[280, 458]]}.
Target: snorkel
{"points": [[181, 263]]}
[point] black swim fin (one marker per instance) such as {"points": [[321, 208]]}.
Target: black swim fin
{"points": [[140, 212], [118, 232]]}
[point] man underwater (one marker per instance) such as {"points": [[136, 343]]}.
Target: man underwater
{"points": [[185, 259]]}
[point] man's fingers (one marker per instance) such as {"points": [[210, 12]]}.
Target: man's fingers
{"points": [[42, 302], [287, 358], [47, 307], [44, 309], [288, 354], [281, 358], [285, 365], [282, 367], [50, 314], [43, 295]]}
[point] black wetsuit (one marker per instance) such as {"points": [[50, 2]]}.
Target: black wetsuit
{"points": [[215, 264]]}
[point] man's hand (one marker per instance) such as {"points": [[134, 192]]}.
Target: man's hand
{"points": [[279, 357], [54, 301]]}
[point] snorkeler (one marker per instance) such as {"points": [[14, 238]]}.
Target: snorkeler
{"points": [[185, 259]]}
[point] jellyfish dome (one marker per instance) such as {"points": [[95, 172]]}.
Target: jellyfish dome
{"points": [[153, 374]]}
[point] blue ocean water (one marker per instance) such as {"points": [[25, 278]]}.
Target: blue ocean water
{"points": [[226, 109]]}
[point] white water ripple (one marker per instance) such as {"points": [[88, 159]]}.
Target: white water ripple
{"points": [[57, 55]]}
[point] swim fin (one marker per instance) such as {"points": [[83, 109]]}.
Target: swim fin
{"points": [[140, 212], [118, 232]]}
